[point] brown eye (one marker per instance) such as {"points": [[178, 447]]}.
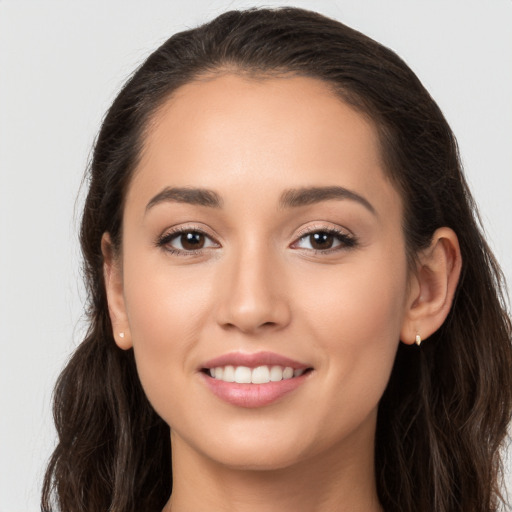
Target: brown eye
{"points": [[186, 242], [192, 240], [321, 240], [325, 240]]}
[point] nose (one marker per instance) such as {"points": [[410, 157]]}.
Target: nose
{"points": [[252, 294]]}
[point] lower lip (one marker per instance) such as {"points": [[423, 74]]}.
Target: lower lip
{"points": [[253, 395]]}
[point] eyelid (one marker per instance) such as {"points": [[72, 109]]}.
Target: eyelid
{"points": [[171, 233], [346, 238], [323, 226], [327, 227]]}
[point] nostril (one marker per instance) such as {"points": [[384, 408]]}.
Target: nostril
{"points": [[245, 325]]}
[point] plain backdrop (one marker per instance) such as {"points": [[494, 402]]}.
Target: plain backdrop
{"points": [[61, 64]]}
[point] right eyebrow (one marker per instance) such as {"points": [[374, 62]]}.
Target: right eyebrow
{"points": [[189, 195]]}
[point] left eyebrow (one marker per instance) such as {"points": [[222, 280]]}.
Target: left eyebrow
{"points": [[189, 195], [297, 197]]}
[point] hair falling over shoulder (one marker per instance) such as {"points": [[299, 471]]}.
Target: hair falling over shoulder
{"points": [[444, 415]]}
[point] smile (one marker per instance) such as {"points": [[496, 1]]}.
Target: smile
{"points": [[258, 375], [253, 380]]}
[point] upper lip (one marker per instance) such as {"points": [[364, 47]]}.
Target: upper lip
{"points": [[253, 360]]}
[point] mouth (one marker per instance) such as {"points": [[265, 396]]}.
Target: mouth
{"points": [[253, 380], [259, 375]]}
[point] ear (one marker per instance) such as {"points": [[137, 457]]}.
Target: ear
{"points": [[432, 287], [113, 275]]}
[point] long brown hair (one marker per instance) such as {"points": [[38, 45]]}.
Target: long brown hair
{"points": [[444, 414]]}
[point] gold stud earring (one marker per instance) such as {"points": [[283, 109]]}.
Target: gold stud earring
{"points": [[418, 340], [121, 334]]}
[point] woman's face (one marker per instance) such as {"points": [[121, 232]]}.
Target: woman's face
{"points": [[260, 231]]}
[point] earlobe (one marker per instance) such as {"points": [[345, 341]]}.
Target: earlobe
{"points": [[112, 273], [435, 283]]}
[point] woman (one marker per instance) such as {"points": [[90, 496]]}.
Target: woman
{"points": [[288, 288]]}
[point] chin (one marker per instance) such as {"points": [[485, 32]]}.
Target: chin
{"points": [[257, 459], [255, 449]]}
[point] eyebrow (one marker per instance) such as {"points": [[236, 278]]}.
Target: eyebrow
{"points": [[189, 195], [310, 195], [293, 198]]}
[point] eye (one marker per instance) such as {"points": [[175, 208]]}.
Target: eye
{"points": [[185, 241], [325, 240]]}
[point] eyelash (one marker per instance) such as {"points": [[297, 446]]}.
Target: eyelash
{"points": [[347, 241], [164, 241]]}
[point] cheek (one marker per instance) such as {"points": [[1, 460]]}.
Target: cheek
{"points": [[356, 322], [359, 299], [165, 313], [159, 309]]}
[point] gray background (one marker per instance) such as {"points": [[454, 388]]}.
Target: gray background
{"points": [[61, 64]]}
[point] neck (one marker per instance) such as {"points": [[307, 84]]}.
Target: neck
{"points": [[342, 480]]}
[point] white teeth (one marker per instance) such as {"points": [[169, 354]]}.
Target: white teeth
{"points": [[287, 373], [276, 373], [259, 375], [229, 374], [242, 375]]}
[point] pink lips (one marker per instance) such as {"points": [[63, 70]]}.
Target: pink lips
{"points": [[252, 395], [253, 360]]}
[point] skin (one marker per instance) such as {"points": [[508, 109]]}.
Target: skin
{"points": [[258, 285]]}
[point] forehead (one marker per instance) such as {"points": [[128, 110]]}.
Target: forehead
{"points": [[258, 133]]}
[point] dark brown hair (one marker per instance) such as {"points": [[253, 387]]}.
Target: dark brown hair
{"points": [[444, 414]]}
